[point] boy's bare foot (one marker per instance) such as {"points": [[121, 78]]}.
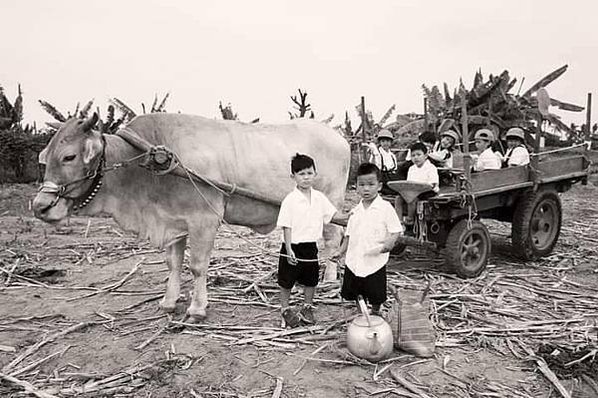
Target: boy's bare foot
{"points": [[289, 318], [306, 314]]}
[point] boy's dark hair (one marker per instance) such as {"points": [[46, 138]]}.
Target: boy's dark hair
{"points": [[428, 136], [419, 146], [369, 168], [301, 162]]}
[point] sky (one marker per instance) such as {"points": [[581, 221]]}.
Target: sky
{"points": [[255, 54]]}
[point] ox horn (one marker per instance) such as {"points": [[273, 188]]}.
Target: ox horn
{"points": [[90, 123]]}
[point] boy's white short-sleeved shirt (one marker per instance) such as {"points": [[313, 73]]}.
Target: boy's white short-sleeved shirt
{"points": [[518, 156], [366, 230], [488, 160], [426, 174], [305, 217]]}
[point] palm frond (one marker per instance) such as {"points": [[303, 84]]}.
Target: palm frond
{"points": [[386, 115], [52, 111], [17, 110], [85, 110], [153, 109], [545, 81], [162, 106]]}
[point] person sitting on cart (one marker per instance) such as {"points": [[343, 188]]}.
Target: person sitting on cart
{"points": [[428, 138], [381, 155], [441, 154], [423, 172], [517, 154], [487, 158], [384, 159]]}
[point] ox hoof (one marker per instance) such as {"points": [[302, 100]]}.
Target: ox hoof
{"points": [[196, 316], [167, 307]]}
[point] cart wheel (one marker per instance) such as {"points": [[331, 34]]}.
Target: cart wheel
{"points": [[467, 250], [536, 224]]}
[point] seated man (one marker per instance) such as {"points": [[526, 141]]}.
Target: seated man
{"points": [[422, 171], [487, 159], [517, 154]]}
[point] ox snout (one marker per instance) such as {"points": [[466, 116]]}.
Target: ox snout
{"points": [[45, 208]]}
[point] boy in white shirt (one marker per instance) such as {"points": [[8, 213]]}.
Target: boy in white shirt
{"points": [[302, 216], [371, 233], [423, 172], [487, 159], [517, 154]]}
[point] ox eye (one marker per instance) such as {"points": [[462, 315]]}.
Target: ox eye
{"points": [[69, 158]]}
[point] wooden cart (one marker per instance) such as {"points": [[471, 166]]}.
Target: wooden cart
{"points": [[525, 196]]}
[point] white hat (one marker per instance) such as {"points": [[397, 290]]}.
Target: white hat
{"points": [[484, 134], [515, 132], [384, 133]]}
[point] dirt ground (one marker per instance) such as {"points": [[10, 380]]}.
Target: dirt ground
{"points": [[83, 300]]}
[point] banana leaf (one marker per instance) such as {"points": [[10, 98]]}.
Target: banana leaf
{"points": [[546, 80]]}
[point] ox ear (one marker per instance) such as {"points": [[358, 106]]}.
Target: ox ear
{"points": [[93, 147], [90, 123], [42, 156]]}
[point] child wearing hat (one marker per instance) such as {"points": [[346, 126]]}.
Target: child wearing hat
{"points": [[381, 155], [487, 159], [517, 154], [441, 154], [384, 159]]}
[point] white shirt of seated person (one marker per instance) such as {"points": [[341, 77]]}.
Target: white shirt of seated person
{"points": [[517, 156], [427, 173], [487, 160], [441, 155]]}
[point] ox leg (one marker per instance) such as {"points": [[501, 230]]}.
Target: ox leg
{"points": [[333, 235], [174, 258], [202, 243]]}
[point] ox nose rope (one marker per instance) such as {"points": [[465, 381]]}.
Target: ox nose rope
{"points": [[61, 191]]}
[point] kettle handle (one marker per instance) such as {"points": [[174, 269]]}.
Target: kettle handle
{"points": [[364, 309]]}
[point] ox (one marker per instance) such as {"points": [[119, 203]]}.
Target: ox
{"points": [[169, 210]]}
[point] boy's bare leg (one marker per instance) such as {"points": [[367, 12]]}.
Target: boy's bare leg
{"points": [[309, 292], [375, 309], [285, 294], [289, 318], [306, 314]]}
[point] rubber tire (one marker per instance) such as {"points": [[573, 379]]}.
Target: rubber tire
{"points": [[522, 217], [454, 242]]}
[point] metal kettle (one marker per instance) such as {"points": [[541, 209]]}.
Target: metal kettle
{"points": [[369, 336]]}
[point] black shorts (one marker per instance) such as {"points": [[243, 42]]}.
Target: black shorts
{"points": [[305, 273], [371, 287]]}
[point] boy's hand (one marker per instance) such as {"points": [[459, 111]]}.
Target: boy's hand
{"points": [[336, 256], [291, 257]]}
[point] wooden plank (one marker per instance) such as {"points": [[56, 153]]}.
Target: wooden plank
{"points": [[561, 168], [490, 179]]}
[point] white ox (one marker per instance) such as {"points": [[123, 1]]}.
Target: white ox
{"points": [[167, 209]]}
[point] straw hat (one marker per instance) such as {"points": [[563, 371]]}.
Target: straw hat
{"points": [[515, 132], [384, 133], [484, 134], [453, 134]]}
